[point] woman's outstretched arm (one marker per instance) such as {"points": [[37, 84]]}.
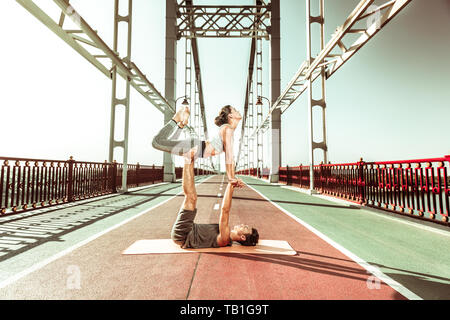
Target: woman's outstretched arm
{"points": [[228, 143]]}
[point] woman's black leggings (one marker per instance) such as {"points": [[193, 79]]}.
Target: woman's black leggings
{"points": [[166, 140]]}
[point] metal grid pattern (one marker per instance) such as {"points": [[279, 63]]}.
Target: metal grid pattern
{"points": [[365, 20], [223, 21]]}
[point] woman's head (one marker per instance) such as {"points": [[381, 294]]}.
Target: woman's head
{"points": [[226, 115]]}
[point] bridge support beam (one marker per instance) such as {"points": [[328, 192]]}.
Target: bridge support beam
{"points": [[170, 79], [275, 91], [251, 125], [320, 19], [259, 109], [115, 101]]}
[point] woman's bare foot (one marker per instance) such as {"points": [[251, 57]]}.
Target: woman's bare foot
{"points": [[178, 118], [185, 116], [182, 117]]}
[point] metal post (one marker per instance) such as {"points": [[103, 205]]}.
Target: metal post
{"points": [[188, 73], [70, 180], [259, 111], [197, 124], [246, 133], [310, 114], [275, 91], [323, 103], [251, 124], [311, 101], [170, 79], [115, 101]]}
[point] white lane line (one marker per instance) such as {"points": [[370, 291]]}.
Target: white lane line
{"points": [[371, 211], [217, 205], [370, 269], [43, 263]]}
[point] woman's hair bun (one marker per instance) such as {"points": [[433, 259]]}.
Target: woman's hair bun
{"points": [[222, 118]]}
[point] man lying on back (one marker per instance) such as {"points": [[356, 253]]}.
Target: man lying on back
{"points": [[188, 234]]}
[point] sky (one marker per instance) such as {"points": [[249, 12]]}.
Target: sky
{"points": [[390, 101]]}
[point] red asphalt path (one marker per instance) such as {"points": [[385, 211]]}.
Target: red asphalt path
{"points": [[318, 271]]}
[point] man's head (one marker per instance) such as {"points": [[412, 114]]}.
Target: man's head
{"points": [[245, 235]]}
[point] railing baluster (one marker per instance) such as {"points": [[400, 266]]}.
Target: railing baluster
{"points": [[26, 184], [13, 187], [79, 168], [81, 181], [440, 187], [373, 185], [60, 181], [3, 187], [19, 190], [432, 193], [51, 178], [7, 183], [70, 180], [406, 186], [446, 194], [417, 186], [395, 195], [88, 178], [34, 186], [423, 187], [75, 181], [427, 188], [42, 183]]}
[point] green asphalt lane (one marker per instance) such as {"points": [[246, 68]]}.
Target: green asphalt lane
{"points": [[28, 240], [416, 257]]}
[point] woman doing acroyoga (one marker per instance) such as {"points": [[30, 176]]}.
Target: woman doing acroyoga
{"points": [[227, 121]]}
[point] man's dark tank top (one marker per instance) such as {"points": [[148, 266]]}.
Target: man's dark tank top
{"points": [[202, 236]]}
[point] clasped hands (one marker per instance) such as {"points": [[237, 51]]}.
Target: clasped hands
{"points": [[236, 183]]}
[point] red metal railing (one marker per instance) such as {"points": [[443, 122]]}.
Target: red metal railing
{"points": [[264, 173], [418, 188], [27, 184], [138, 175], [178, 173]]}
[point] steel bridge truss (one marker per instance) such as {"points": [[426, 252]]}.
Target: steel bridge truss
{"points": [[192, 63], [223, 21], [228, 22], [88, 44], [365, 21], [86, 41]]}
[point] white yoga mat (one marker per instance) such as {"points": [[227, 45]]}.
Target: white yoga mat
{"points": [[168, 246]]}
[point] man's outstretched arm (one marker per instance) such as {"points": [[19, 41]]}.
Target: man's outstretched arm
{"points": [[224, 229]]}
